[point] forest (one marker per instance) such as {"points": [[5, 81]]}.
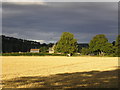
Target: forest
{"points": [[11, 44]]}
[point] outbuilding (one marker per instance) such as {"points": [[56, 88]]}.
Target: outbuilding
{"points": [[34, 50]]}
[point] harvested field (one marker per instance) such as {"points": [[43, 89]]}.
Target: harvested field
{"points": [[59, 71]]}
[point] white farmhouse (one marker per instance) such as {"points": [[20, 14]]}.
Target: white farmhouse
{"points": [[51, 49]]}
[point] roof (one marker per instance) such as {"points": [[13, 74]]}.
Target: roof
{"points": [[34, 49]]}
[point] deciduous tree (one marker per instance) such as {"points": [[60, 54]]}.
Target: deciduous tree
{"points": [[117, 45], [67, 43], [98, 44]]}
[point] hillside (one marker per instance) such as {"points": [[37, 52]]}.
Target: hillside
{"points": [[12, 44]]}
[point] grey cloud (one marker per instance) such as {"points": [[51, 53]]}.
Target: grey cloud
{"points": [[47, 22]]}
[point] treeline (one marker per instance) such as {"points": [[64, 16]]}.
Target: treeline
{"points": [[99, 45], [11, 44]]}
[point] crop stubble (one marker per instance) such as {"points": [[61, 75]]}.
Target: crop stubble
{"points": [[19, 66]]}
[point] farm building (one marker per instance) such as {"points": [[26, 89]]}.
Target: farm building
{"points": [[51, 49], [34, 50]]}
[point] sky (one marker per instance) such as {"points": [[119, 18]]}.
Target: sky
{"points": [[45, 21]]}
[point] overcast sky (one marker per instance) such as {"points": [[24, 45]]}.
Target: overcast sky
{"points": [[45, 22]]}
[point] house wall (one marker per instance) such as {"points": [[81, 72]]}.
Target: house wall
{"points": [[51, 50], [34, 51]]}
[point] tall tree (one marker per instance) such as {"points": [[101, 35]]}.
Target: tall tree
{"points": [[117, 45], [67, 44], [108, 49], [98, 44]]}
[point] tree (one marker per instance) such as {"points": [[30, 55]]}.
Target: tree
{"points": [[11, 44], [117, 43], [85, 51], [98, 44], [108, 49], [67, 44], [43, 49], [117, 46], [82, 45], [113, 43]]}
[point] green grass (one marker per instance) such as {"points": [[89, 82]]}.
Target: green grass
{"points": [[31, 54]]}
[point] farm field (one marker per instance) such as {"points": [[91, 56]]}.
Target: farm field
{"points": [[58, 71]]}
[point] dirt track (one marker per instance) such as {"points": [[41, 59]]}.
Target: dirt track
{"points": [[19, 66]]}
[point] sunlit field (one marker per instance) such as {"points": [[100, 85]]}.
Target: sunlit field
{"points": [[59, 71]]}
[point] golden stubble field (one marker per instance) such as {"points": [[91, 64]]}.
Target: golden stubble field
{"points": [[43, 66]]}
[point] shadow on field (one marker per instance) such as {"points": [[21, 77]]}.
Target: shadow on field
{"points": [[92, 79]]}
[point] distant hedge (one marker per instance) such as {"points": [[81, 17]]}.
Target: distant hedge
{"points": [[31, 54], [46, 54]]}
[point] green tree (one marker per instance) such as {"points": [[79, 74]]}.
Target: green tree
{"points": [[98, 43], [67, 44], [117, 43], [108, 49], [117, 46], [44, 49], [85, 51]]}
